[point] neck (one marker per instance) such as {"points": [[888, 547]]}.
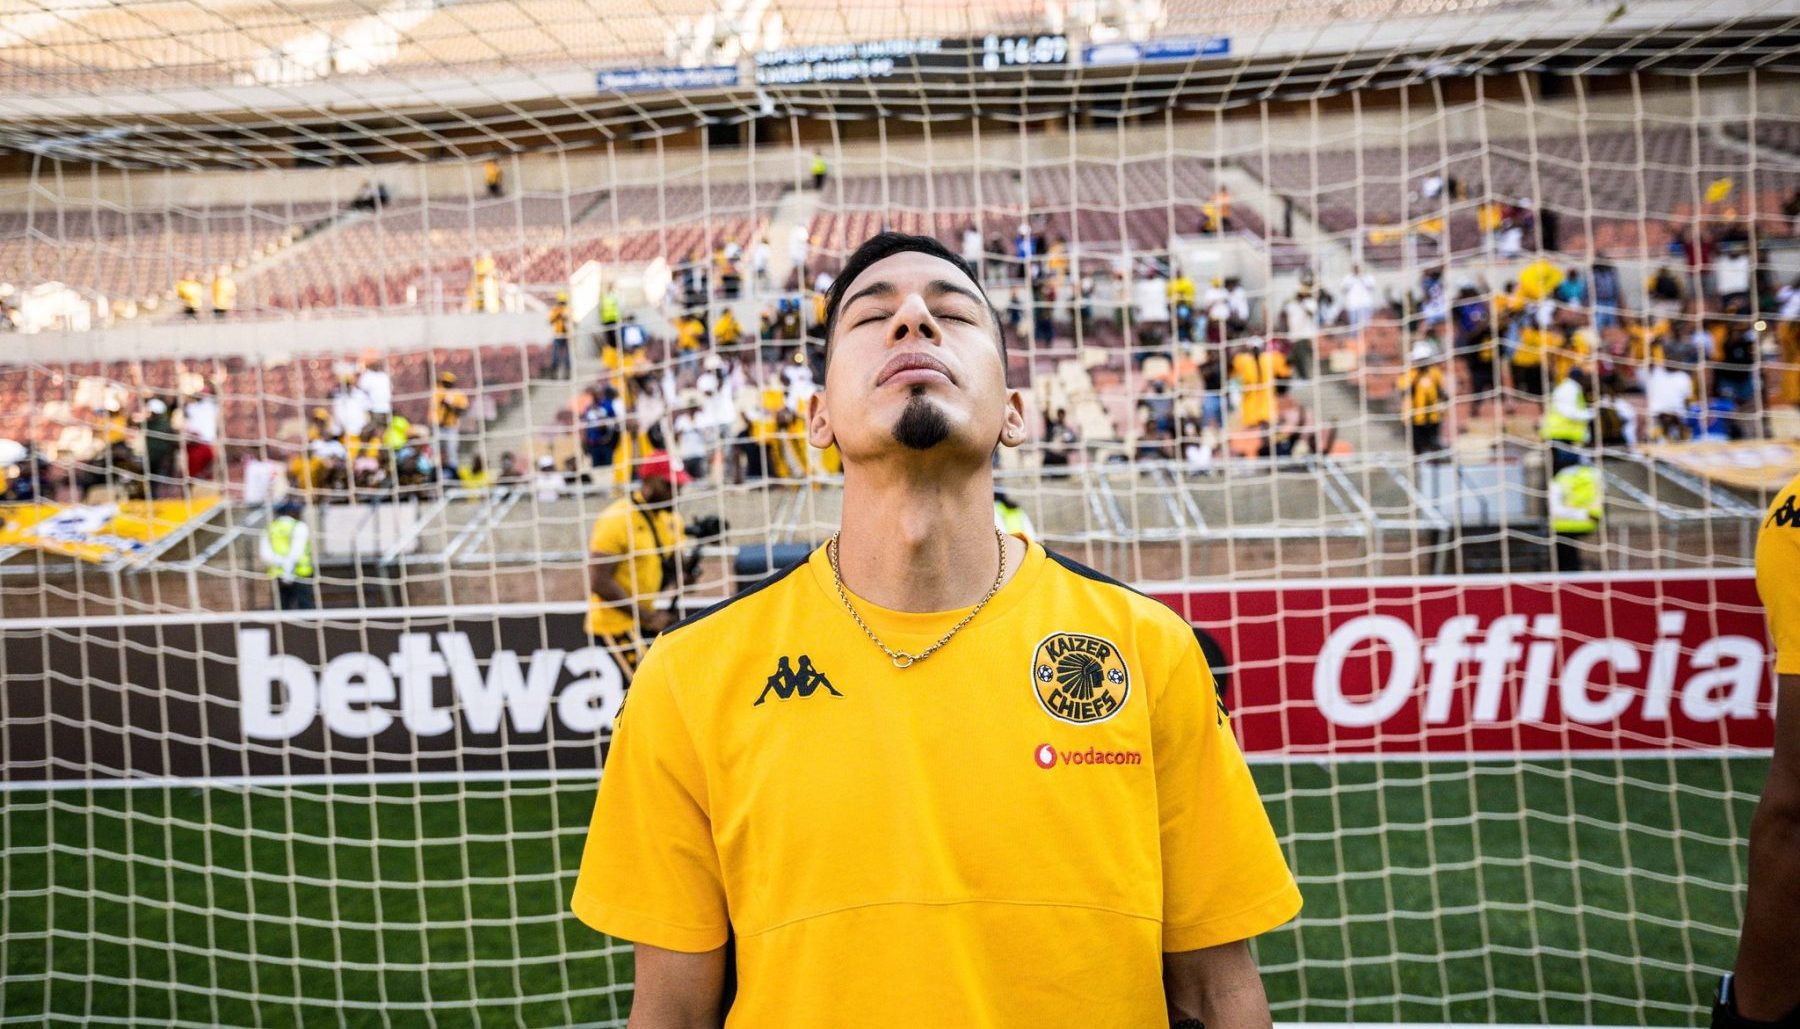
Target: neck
{"points": [[911, 543]]}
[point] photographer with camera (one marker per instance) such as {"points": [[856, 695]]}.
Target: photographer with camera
{"points": [[636, 561]]}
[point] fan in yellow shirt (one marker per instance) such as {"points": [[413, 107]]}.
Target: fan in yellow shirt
{"points": [[632, 554], [933, 775]]}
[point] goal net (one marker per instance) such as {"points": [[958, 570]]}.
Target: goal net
{"points": [[1294, 297]]}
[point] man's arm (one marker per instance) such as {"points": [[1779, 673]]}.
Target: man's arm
{"points": [[603, 583], [1767, 983], [1218, 986], [677, 990]]}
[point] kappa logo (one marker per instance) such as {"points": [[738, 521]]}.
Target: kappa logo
{"points": [[1079, 678], [789, 681], [1785, 516]]}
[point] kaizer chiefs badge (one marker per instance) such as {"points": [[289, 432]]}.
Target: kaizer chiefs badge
{"points": [[1079, 678]]}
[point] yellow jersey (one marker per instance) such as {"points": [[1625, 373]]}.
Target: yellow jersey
{"points": [[1010, 833], [1777, 569], [1422, 395], [644, 538]]}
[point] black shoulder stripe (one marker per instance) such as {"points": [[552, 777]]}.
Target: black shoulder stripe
{"points": [[761, 585], [1088, 573]]}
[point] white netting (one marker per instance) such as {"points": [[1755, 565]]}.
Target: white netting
{"points": [[1512, 794]]}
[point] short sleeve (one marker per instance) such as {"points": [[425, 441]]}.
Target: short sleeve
{"points": [[649, 871], [1224, 877], [1777, 569], [612, 535]]}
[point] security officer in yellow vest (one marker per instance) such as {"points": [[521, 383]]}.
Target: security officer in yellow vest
{"points": [[1011, 519], [286, 552], [609, 318], [1566, 421], [1575, 507]]}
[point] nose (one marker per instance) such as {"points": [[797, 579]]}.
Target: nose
{"points": [[913, 319]]}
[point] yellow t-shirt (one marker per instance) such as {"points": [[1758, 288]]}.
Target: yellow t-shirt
{"points": [[1422, 395], [624, 529], [1777, 569], [1010, 833]]}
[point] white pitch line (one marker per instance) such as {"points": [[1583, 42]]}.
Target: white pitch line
{"points": [[587, 774]]}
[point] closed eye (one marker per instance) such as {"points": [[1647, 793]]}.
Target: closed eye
{"points": [[877, 316]]}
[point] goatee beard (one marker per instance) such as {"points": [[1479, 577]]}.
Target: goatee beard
{"points": [[922, 425]]}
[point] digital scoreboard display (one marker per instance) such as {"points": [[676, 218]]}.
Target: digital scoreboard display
{"points": [[886, 58]]}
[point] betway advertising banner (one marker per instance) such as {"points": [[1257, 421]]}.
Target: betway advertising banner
{"points": [[1633, 665], [464, 691], [1636, 664]]}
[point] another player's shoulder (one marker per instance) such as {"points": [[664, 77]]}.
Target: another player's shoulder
{"points": [[1108, 600]]}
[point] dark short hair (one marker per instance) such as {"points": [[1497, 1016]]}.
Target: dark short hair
{"points": [[882, 246]]}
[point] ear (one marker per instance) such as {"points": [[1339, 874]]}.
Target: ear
{"points": [[1012, 424], [818, 422]]}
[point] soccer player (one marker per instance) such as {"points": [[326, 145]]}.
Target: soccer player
{"points": [[933, 775], [1764, 990]]}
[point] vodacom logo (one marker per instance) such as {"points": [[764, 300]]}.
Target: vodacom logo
{"points": [[1047, 756]]}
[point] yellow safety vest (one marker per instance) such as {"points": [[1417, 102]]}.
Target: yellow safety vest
{"points": [[1011, 519], [397, 428], [609, 308], [281, 537], [818, 166], [1559, 426], [1576, 492]]}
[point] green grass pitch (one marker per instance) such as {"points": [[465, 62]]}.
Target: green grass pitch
{"points": [[1597, 892]]}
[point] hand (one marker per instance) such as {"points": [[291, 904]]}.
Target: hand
{"points": [[651, 622]]}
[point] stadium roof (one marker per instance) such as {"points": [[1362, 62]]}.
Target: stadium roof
{"points": [[266, 83]]}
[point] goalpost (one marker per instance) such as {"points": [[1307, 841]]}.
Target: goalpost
{"points": [[1512, 794]]}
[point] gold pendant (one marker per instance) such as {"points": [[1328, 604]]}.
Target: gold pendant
{"points": [[903, 660]]}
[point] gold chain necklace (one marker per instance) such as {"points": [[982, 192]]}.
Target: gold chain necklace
{"points": [[901, 658]]}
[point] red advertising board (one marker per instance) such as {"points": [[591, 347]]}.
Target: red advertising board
{"points": [[1628, 663]]}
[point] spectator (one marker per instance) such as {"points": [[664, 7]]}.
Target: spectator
{"points": [[759, 261], [1667, 394], [1731, 277], [160, 444], [972, 245], [264, 479], [1423, 399], [600, 425], [559, 337], [224, 292], [1358, 296], [1215, 214], [188, 291], [491, 174], [1576, 504], [1294, 426], [510, 473], [474, 475], [691, 443], [609, 317], [484, 285], [378, 387], [1566, 420], [1734, 378], [1010, 518], [1664, 293], [1299, 324], [449, 406], [799, 248], [286, 551], [547, 484], [1060, 440], [818, 169], [349, 404], [200, 427], [1257, 371]]}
